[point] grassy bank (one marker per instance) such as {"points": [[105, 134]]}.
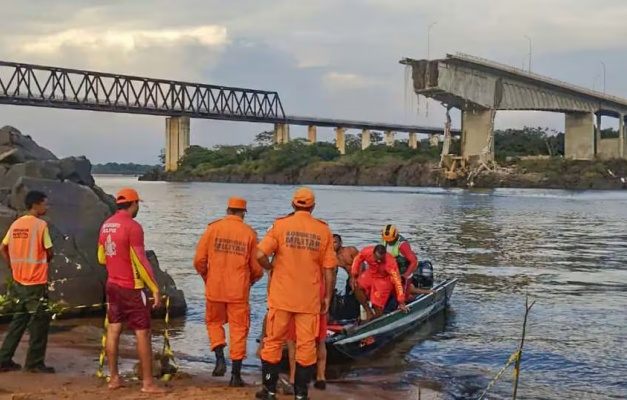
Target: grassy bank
{"points": [[298, 162]]}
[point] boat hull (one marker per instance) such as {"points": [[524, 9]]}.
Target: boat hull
{"points": [[363, 340]]}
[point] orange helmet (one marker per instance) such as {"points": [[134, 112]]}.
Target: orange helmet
{"points": [[389, 233]]}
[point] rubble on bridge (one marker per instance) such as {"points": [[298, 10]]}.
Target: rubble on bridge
{"points": [[77, 209]]}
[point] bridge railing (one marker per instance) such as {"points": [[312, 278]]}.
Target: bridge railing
{"points": [[542, 78], [36, 85]]}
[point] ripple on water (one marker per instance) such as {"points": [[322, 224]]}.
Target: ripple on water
{"points": [[565, 249]]}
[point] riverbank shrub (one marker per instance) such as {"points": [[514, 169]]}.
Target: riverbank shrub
{"points": [[262, 157]]}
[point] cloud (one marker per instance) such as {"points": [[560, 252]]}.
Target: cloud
{"points": [[120, 40], [325, 58], [347, 80]]}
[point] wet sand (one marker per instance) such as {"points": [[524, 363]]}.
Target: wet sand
{"points": [[74, 352]]}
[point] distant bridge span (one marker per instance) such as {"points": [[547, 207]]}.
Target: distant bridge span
{"points": [[65, 88], [480, 87]]}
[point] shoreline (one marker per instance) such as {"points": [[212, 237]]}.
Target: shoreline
{"points": [[74, 348], [521, 174]]}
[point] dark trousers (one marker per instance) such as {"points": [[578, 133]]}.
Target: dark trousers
{"points": [[32, 314]]}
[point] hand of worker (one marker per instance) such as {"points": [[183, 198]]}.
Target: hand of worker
{"points": [[403, 307], [325, 305], [157, 302]]}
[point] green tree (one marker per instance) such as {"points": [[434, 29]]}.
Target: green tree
{"points": [[265, 138], [162, 157]]}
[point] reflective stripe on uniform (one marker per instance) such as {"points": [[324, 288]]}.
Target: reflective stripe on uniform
{"points": [[32, 245]]}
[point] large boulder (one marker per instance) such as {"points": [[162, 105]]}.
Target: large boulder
{"points": [[18, 148], [77, 210]]}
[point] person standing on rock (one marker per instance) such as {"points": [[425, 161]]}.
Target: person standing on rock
{"points": [[303, 259], [225, 259], [121, 249], [27, 249]]}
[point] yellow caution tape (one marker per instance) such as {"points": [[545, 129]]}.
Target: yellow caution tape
{"points": [[167, 350], [513, 358], [103, 342]]}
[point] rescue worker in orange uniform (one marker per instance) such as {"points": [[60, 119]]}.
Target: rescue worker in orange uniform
{"points": [[303, 260], [379, 280], [121, 249], [27, 250], [321, 347], [226, 260]]}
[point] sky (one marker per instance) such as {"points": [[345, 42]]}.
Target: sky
{"points": [[336, 59]]}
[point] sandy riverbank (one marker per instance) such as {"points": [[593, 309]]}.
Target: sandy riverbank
{"points": [[73, 350]]}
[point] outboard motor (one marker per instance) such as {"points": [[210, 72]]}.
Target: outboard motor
{"points": [[423, 278]]}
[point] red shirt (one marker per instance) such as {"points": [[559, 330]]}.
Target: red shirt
{"points": [[121, 249], [383, 270], [405, 250]]}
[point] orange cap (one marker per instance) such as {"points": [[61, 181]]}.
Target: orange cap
{"points": [[237, 203], [304, 197], [127, 195]]}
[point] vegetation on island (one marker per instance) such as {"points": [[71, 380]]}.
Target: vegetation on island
{"points": [[262, 157], [121, 168], [299, 162]]}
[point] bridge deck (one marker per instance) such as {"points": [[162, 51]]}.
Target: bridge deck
{"points": [[559, 91], [53, 87]]}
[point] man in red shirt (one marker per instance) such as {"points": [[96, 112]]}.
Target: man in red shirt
{"points": [[121, 249], [378, 280]]}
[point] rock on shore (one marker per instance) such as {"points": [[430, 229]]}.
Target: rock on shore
{"points": [[77, 209]]}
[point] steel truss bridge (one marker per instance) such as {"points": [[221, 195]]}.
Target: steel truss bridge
{"points": [[54, 87]]}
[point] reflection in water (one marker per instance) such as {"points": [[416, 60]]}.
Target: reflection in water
{"points": [[567, 250]]}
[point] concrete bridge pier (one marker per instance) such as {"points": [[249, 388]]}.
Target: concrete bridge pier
{"points": [[312, 134], [365, 139], [413, 140], [477, 133], [389, 138], [621, 136], [607, 148], [281, 134], [339, 140], [176, 141], [579, 136]]}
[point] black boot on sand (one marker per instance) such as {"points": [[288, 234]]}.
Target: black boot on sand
{"points": [[220, 368], [270, 377], [302, 377], [236, 374]]}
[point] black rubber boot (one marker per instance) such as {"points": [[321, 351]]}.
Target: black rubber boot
{"points": [[320, 385], [270, 377], [236, 374], [302, 377], [220, 368]]}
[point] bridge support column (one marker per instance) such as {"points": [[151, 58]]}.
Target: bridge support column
{"points": [[176, 141], [477, 133], [365, 139], [281, 134], [621, 136], [434, 140], [339, 140], [413, 140], [312, 134], [389, 138], [579, 137]]}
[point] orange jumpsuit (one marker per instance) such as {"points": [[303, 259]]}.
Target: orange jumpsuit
{"points": [[225, 258], [303, 248], [378, 280]]}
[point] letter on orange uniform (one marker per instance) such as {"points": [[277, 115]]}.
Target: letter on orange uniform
{"points": [[303, 248], [225, 258]]}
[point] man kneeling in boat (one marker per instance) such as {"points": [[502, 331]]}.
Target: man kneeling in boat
{"points": [[378, 280], [406, 260]]}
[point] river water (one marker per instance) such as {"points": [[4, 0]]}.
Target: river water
{"points": [[566, 250]]}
